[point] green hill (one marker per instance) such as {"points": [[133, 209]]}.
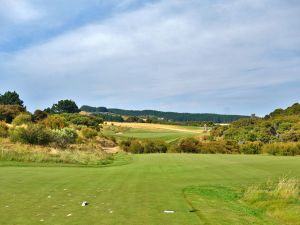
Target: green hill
{"points": [[173, 116]]}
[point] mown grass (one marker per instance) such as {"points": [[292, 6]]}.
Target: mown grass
{"points": [[138, 192], [122, 133]]}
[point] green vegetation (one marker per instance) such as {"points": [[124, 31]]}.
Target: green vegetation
{"points": [[267, 203], [280, 199], [23, 118], [172, 116], [11, 98], [64, 106], [124, 131], [9, 112], [140, 191]]}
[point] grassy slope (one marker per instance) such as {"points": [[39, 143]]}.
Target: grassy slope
{"points": [[135, 193]]}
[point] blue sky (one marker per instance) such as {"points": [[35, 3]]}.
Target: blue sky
{"points": [[220, 56]]}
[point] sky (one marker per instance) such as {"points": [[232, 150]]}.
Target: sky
{"points": [[204, 56]]}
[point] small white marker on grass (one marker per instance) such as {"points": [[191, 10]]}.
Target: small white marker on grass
{"points": [[70, 214], [169, 211], [85, 203]]}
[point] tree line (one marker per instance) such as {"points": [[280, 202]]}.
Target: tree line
{"points": [[166, 116]]}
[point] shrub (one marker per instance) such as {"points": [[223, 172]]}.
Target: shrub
{"points": [[133, 146], [23, 118], [251, 148], [32, 134], [3, 129], [88, 133], [285, 149], [85, 120], [39, 115], [63, 137], [223, 147], [189, 145], [9, 112], [55, 122], [154, 146]]}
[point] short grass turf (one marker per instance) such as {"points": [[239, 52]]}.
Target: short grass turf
{"points": [[165, 135], [136, 193]]}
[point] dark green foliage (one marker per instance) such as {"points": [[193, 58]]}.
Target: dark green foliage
{"points": [[168, 116], [64, 106], [32, 134], [39, 115], [11, 98], [87, 108], [3, 129], [110, 117], [251, 148], [84, 120], [144, 146], [155, 146], [134, 119], [9, 112]]}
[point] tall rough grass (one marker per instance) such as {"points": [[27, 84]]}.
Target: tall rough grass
{"points": [[280, 200], [38, 154]]}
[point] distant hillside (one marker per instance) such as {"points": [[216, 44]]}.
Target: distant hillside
{"points": [[173, 116]]}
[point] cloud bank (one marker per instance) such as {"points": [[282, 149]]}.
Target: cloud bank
{"points": [[190, 56]]}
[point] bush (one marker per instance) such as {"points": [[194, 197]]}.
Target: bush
{"points": [[251, 148], [189, 145], [155, 146], [9, 112], [32, 134], [55, 122], [284, 149], [192, 145], [89, 133], [3, 129], [23, 118], [63, 137], [39, 115], [85, 120], [221, 147], [133, 146]]}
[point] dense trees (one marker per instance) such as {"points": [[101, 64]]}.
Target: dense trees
{"points": [[63, 106], [167, 116], [11, 98]]}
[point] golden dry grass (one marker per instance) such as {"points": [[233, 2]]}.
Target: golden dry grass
{"points": [[151, 126]]}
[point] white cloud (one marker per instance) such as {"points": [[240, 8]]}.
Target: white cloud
{"points": [[18, 11], [168, 49]]}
